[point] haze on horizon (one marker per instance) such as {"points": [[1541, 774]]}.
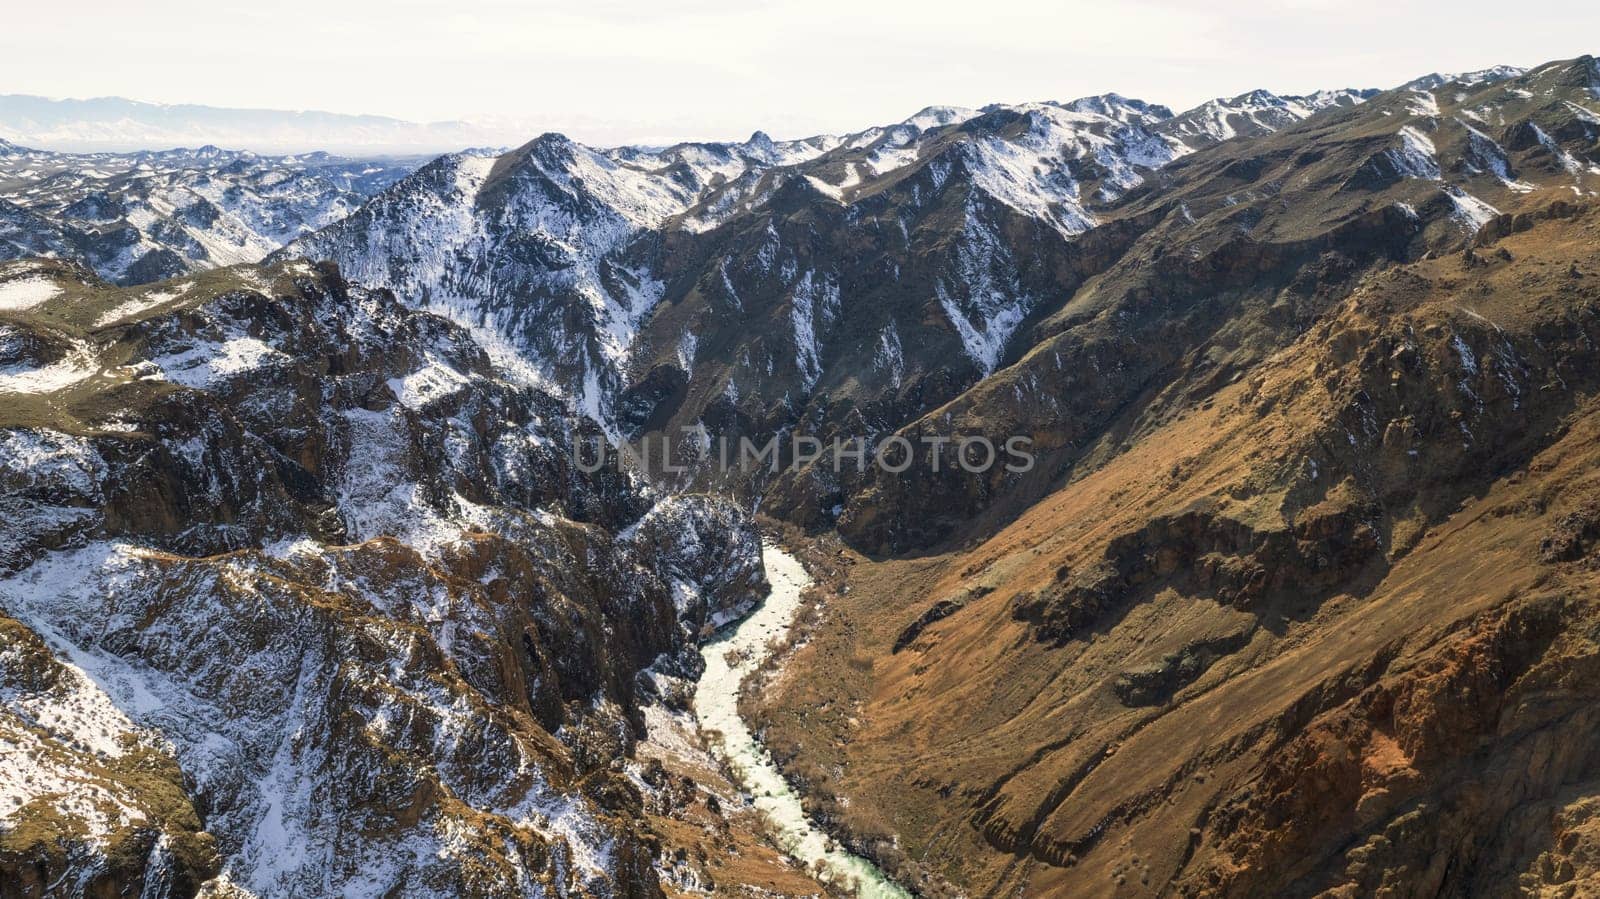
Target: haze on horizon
{"points": [[611, 72]]}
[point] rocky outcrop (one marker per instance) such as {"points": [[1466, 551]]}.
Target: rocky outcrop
{"points": [[1203, 554]]}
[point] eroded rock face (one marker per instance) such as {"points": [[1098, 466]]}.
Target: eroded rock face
{"points": [[340, 608]]}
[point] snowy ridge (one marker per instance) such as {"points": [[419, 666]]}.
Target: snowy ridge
{"points": [[26, 292], [1252, 114], [1491, 75]]}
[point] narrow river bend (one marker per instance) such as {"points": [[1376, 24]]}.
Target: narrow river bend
{"points": [[716, 703]]}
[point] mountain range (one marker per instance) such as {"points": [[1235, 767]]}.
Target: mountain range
{"points": [[306, 589], [146, 216], [120, 125]]}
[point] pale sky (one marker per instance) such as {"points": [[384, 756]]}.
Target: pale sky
{"points": [[608, 72]]}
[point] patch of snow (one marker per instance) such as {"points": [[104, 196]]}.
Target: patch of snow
{"points": [[812, 305], [687, 344], [889, 356], [143, 303], [76, 366], [209, 363], [27, 292], [1470, 211], [434, 380], [824, 188], [1416, 157], [379, 495], [1469, 363], [1422, 103], [981, 298]]}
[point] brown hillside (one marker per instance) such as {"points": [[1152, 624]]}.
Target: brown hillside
{"points": [[1331, 631]]}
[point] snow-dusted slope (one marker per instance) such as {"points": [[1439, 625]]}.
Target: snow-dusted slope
{"points": [[292, 554], [539, 244]]}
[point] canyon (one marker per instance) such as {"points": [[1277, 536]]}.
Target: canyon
{"points": [[305, 588]]}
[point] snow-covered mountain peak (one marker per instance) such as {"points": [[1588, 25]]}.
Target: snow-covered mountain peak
{"points": [[930, 117], [1116, 106], [1034, 156], [760, 142], [558, 178]]}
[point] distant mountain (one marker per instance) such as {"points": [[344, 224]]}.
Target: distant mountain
{"points": [[140, 217], [116, 124]]}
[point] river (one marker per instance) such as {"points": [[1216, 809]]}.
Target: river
{"points": [[716, 703]]}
